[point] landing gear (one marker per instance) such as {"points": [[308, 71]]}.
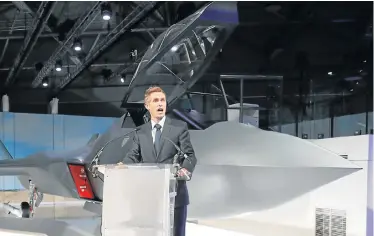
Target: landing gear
{"points": [[26, 210], [35, 198]]}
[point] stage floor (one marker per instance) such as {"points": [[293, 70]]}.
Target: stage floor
{"points": [[66, 217]]}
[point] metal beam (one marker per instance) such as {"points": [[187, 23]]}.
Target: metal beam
{"points": [[127, 68], [156, 14], [94, 44], [144, 25], [7, 41], [251, 77], [134, 17], [42, 15], [86, 33], [80, 25], [23, 7], [74, 66]]}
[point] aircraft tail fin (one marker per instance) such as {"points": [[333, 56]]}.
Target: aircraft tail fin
{"points": [[4, 152], [93, 139]]}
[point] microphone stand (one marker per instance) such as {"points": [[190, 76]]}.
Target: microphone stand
{"points": [[176, 165], [180, 153], [95, 160]]}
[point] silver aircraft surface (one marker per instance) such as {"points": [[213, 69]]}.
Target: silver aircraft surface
{"points": [[240, 168]]}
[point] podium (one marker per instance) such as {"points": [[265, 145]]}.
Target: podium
{"points": [[138, 200]]}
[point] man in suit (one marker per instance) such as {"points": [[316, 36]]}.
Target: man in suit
{"points": [[149, 146]]}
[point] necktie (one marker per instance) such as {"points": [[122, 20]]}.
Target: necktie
{"points": [[157, 138]]}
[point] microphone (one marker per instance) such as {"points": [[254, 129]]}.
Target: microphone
{"points": [[96, 160], [176, 164], [179, 151]]}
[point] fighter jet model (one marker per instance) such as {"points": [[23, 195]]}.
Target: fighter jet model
{"points": [[240, 168], [234, 175]]}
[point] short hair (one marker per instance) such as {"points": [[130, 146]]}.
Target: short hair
{"points": [[150, 90]]}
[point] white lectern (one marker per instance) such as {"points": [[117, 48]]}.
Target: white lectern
{"points": [[138, 200]]}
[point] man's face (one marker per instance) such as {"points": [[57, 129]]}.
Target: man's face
{"points": [[156, 105]]}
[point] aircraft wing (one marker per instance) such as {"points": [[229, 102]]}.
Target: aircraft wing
{"points": [[5, 151], [12, 167], [51, 176]]}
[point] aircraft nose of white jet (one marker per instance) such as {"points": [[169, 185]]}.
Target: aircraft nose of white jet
{"points": [[231, 143], [249, 169]]}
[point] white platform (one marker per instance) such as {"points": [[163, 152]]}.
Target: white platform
{"points": [[89, 227], [4, 232]]}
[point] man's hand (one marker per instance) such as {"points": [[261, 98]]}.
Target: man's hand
{"points": [[183, 174]]}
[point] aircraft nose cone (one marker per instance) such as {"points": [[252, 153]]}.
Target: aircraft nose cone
{"points": [[256, 170], [231, 143]]}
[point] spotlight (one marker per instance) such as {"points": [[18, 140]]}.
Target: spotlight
{"points": [[304, 136], [321, 136], [77, 45], [329, 73], [358, 132], [45, 82], [106, 16], [106, 12], [58, 65], [174, 48], [123, 78]]}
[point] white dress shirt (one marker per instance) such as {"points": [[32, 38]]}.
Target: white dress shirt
{"points": [[162, 122]]}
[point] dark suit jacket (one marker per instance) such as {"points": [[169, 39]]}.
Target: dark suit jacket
{"points": [[142, 151]]}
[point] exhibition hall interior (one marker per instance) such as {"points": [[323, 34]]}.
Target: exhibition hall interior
{"points": [[275, 100]]}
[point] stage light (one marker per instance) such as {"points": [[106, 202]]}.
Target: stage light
{"points": [[58, 65], [45, 82], [106, 12], [77, 45], [329, 73], [106, 15], [122, 80]]}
